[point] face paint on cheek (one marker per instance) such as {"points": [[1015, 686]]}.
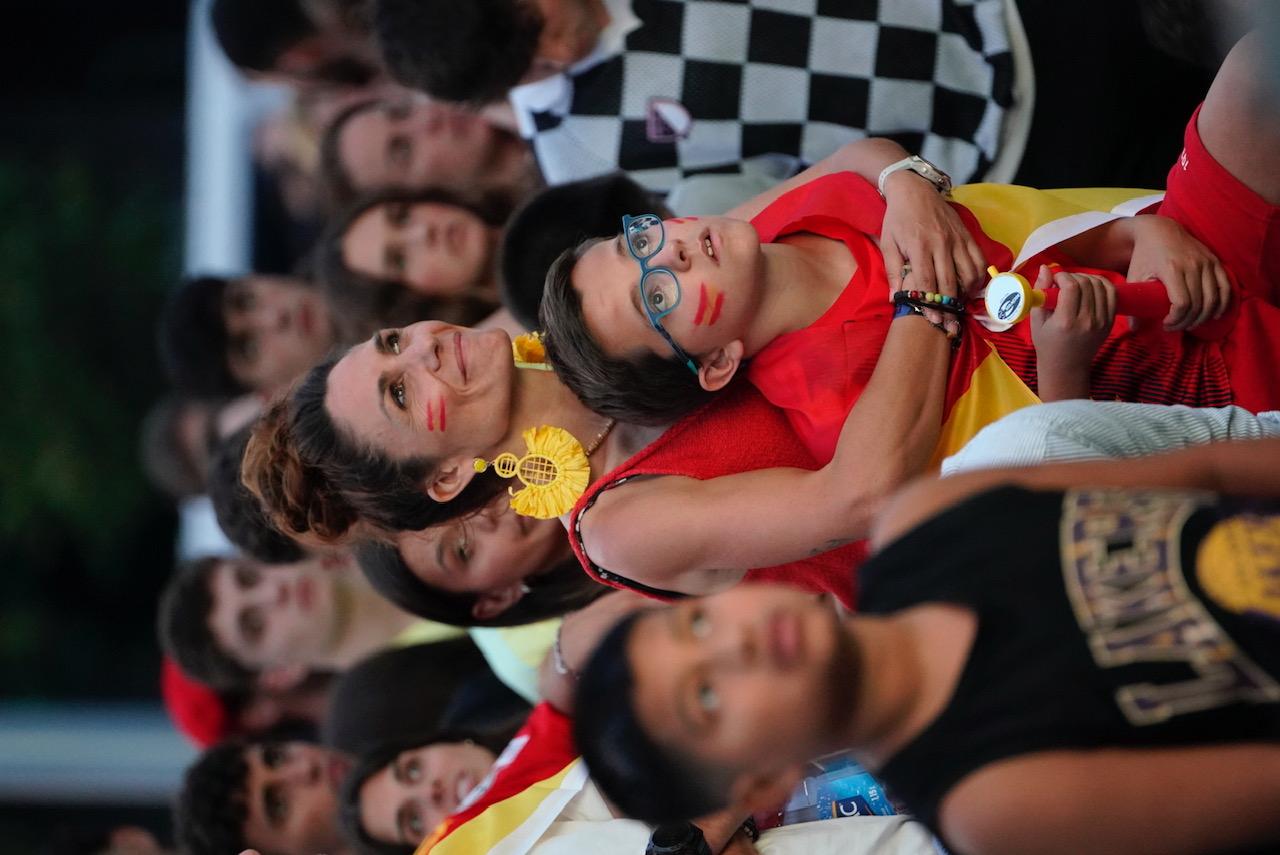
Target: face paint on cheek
{"points": [[431, 417], [708, 299], [682, 220], [442, 415]]}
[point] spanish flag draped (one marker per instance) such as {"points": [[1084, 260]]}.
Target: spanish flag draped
{"points": [[1017, 228], [816, 374], [535, 777]]}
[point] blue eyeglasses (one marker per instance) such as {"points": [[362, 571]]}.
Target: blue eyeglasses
{"points": [[659, 288]]}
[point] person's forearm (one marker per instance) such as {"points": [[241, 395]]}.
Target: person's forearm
{"points": [[866, 157], [1245, 468], [890, 434], [1056, 383], [1108, 246]]}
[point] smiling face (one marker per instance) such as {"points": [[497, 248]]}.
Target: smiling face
{"points": [[490, 550], [277, 328], [432, 248], [427, 390], [291, 798], [415, 144], [405, 801], [718, 265], [758, 677], [270, 616]]}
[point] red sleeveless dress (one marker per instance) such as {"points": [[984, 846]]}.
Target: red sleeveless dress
{"points": [[738, 432]]}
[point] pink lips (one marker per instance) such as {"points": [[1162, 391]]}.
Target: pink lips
{"points": [[786, 640]]}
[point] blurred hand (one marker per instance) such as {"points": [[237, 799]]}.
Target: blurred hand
{"points": [[1196, 281], [740, 844], [921, 229]]}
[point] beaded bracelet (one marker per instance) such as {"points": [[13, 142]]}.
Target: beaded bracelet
{"points": [[905, 308], [929, 300]]}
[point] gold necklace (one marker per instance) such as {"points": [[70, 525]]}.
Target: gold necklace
{"points": [[600, 437]]}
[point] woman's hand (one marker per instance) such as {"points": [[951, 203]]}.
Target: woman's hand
{"points": [[923, 230], [1067, 337], [1197, 283]]}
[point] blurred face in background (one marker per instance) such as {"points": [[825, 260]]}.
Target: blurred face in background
{"points": [[406, 800], [291, 798], [411, 143], [434, 249], [277, 328], [273, 616]]}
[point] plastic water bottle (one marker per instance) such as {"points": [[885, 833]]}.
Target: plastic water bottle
{"points": [[844, 789]]}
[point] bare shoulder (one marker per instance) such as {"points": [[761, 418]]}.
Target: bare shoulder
{"points": [[634, 526]]}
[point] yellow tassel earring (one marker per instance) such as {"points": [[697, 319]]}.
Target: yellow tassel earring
{"points": [[555, 468], [555, 471]]}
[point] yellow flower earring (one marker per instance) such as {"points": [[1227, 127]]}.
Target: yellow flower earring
{"points": [[529, 352]]}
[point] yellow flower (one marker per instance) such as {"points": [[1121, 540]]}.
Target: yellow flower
{"points": [[528, 349]]}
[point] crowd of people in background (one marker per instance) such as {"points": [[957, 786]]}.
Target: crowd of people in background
{"points": [[732, 250]]}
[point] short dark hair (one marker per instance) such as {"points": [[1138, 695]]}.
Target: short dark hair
{"points": [[645, 779], [379, 758], [171, 466], [193, 340], [334, 178], [555, 220], [378, 302], [312, 478], [404, 691], [562, 589], [470, 52], [647, 389], [239, 512], [183, 627], [210, 811], [254, 33]]}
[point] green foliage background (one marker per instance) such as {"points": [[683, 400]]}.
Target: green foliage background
{"points": [[91, 148]]}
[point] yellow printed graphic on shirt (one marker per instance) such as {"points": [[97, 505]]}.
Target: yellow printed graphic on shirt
{"points": [[1238, 565]]}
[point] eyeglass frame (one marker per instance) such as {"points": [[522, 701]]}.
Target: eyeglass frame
{"points": [[645, 271]]}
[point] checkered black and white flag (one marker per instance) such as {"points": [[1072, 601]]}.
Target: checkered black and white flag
{"points": [[703, 84]]}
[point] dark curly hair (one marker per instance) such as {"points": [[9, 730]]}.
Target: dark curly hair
{"points": [[193, 340], [238, 511], [647, 389], [313, 479], [464, 52], [183, 627], [210, 811], [254, 34], [389, 302]]}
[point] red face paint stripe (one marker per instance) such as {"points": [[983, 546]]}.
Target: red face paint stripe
{"points": [[715, 311], [442, 414], [431, 419], [702, 303]]}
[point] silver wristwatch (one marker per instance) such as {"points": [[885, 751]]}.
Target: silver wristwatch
{"points": [[921, 167]]}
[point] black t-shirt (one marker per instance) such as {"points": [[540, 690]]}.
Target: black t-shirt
{"points": [[1105, 618]]}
